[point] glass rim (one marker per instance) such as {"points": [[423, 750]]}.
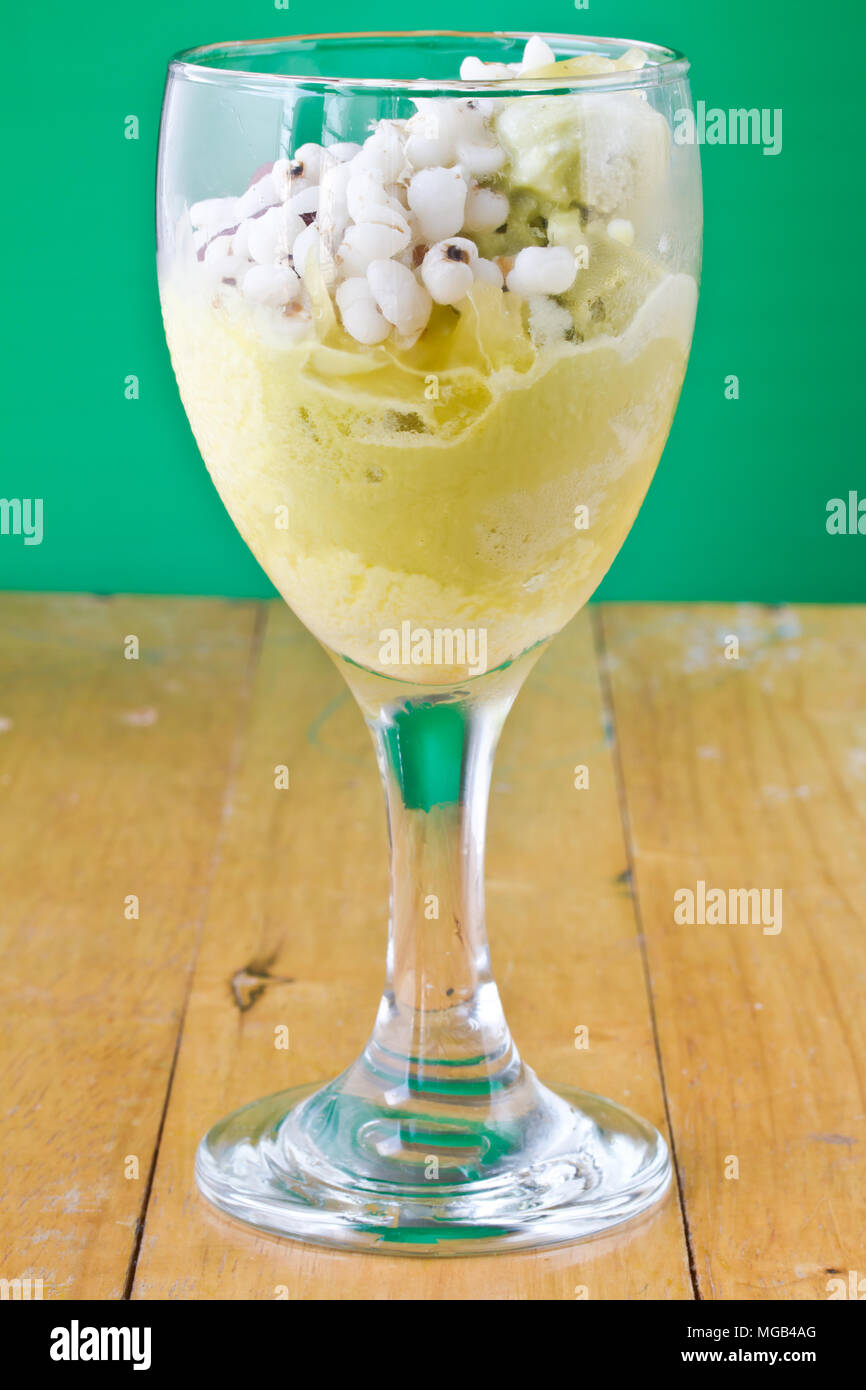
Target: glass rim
{"points": [[669, 64]]}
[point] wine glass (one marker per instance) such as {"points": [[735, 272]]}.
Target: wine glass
{"points": [[429, 299]]}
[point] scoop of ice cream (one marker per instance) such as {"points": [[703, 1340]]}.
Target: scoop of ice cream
{"points": [[605, 150]]}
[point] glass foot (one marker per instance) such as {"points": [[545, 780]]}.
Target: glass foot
{"points": [[329, 1166]]}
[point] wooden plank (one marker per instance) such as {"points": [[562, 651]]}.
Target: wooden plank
{"points": [[299, 907], [742, 773], [112, 781]]}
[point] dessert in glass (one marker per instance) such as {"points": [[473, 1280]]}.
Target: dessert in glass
{"points": [[429, 300]]}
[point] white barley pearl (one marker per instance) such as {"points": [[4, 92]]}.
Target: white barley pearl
{"points": [[356, 287], [481, 107], [537, 54], [274, 285], [334, 182], [371, 241], [488, 272], [447, 281], [306, 242], [314, 259], [620, 229], [456, 248], [436, 117], [311, 156], [472, 69], [394, 218], [259, 196], [359, 312], [365, 323], [480, 158], [438, 199], [348, 263], [542, 270], [388, 216], [342, 151], [427, 151], [383, 152], [431, 133], [472, 116], [287, 179], [333, 209], [241, 239], [213, 215], [272, 236], [306, 201], [399, 296], [219, 259], [364, 189], [447, 270], [217, 249], [485, 210]]}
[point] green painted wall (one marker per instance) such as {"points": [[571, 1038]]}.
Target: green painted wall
{"points": [[738, 508]]}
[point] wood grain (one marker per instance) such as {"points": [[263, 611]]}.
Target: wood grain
{"points": [[751, 772], [262, 907], [297, 911], [112, 783]]}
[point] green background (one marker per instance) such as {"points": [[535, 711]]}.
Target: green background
{"points": [[738, 507]]}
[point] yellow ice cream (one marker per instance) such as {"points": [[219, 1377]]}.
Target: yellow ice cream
{"points": [[445, 485]]}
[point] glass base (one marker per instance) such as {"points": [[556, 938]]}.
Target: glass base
{"points": [[331, 1167]]}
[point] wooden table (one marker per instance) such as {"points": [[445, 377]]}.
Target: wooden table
{"points": [[164, 908]]}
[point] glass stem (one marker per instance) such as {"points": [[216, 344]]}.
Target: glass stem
{"points": [[440, 1025]]}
